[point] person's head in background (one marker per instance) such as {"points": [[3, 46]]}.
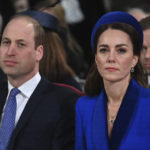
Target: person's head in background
{"points": [[21, 5], [74, 52], [110, 41], [138, 12], [21, 49], [145, 53]]}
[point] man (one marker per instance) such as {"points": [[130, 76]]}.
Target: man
{"points": [[138, 12], [44, 117], [145, 53]]}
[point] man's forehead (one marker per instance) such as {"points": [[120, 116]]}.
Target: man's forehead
{"points": [[19, 27], [23, 21]]}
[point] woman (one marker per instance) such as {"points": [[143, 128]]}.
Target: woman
{"points": [[115, 114], [74, 52]]}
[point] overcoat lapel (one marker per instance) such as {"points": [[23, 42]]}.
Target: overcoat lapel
{"points": [[3, 95], [125, 115], [34, 100], [2, 102], [99, 128]]}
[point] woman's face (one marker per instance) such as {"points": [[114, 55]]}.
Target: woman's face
{"points": [[114, 56]]}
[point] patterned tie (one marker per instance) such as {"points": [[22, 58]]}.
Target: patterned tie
{"points": [[8, 122]]}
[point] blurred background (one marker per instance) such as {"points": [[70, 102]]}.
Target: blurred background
{"points": [[80, 17]]}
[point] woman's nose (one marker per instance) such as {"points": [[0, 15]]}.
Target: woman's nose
{"points": [[111, 56]]}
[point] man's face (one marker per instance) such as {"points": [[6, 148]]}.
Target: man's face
{"points": [[18, 57], [145, 53]]}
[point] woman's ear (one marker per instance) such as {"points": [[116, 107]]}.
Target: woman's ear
{"points": [[135, 60], [95, 60]]}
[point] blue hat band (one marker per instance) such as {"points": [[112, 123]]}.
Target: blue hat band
{"points": [[117, 17], [46, 20]]}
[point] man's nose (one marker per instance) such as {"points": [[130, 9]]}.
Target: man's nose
{"points": [[147, 53], [11, 50]]}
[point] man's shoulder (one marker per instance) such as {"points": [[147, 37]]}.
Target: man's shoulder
{"points": [[59, 91]]}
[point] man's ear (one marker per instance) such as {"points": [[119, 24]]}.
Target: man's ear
{"points": [[39, 52]]}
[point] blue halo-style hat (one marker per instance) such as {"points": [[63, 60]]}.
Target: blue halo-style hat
{"points": [[46, 20], [117, 17]]}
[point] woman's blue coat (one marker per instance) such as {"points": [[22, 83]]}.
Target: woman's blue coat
{"points": [[131, 129]]}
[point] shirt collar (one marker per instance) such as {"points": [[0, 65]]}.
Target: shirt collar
{"points": [[28, 87]]}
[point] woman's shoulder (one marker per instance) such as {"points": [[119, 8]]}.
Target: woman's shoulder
{"points": [[85, 106], [86, 101]]}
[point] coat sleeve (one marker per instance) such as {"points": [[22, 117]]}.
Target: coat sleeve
{"points": [[79, 132], [64, 137]]}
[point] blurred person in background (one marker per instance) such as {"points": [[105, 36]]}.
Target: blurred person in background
{"points": [[145, 53], [21, 5], [138, 12], [75, 55], [7, 10]]}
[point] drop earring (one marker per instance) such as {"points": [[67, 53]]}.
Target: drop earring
{"points": [[132, 69]]}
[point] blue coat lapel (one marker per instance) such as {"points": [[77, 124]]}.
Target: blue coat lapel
{"points": [[125, 114], [99, 131]]}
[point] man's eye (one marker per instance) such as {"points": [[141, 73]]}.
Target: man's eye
{"points": [[21, 44], [144, 48], [5, 42]]}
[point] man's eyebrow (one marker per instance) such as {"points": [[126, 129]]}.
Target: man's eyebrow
{"points": [[20, 40], [4, 38]]}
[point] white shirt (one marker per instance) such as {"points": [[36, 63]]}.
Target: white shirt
{"points": [[148, 80], [26, 91]]}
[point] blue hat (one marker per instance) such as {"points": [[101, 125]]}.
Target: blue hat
{"points": [[114, 17], [46, 20]]}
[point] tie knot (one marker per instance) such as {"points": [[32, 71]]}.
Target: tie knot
{"points": [[14, 92]]}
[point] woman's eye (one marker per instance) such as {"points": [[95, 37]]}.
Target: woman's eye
{"points": [[122, 51], [103, 50]]}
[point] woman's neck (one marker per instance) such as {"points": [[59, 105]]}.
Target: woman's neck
{"points": [[116, 90]]}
